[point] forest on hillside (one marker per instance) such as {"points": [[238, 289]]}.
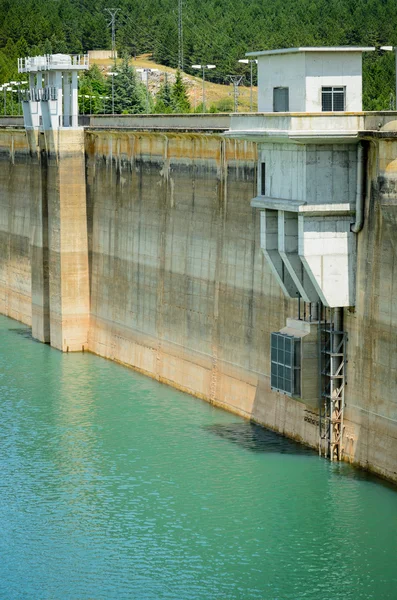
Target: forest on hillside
{"points": [[214, 31]]}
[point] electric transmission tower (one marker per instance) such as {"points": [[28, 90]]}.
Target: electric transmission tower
{"points": [[112, 23], [180, 36], [236, 80]]}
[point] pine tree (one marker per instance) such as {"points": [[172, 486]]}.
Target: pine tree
{"points": [[164, 98], [92, 92], [180, 99], [129, 93]]}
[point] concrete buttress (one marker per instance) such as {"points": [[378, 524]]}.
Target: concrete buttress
{"points": [[63, 213]]}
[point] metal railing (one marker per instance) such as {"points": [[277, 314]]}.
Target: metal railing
{"points": [[56, 62]]}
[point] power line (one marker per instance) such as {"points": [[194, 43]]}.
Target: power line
{"points": [[112, 23]]}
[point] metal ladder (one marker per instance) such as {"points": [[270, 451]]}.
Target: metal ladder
{"points": [[332, 363]]}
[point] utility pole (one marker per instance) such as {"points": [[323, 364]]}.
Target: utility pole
{"points": [[147, 71], [112, 23], [203, 67], [180, 36], [236, 80]]}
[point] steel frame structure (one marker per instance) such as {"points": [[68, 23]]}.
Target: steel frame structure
{"points": [[332, 363]]}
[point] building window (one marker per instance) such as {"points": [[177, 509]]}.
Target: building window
{"points": [[280, 99], [333, 99], [263, 179], [285, 364]]}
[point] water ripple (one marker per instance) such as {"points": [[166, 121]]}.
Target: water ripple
{"points": [[113, 486]]}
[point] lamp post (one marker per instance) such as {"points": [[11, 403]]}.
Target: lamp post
{"points": [[90, 97], [6, 89], [249, 61], [390, 49], [3, 88], [104, 98], [113, 74], [147, 71], [18, 90], [81, 96], [203, 67], [12, 98]]}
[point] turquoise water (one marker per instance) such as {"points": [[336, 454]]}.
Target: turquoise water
{"points": [[113, 486]]}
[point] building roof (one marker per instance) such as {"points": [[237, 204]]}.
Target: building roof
{"points": [[312, 49]]}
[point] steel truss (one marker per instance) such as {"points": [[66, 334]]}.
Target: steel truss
{"points": [[332, 361]]}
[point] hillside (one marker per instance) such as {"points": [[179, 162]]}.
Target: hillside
{"points": [[214, 92], [214, 31]]}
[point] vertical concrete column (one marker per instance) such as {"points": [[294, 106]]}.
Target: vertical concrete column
{"points": [[39, 244], [68, 243], [59, 102], [75, 106], [31, 109], [66, 99], [32, 84]]}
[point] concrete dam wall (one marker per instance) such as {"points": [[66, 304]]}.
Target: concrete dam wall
{"points": [[141, 245]]}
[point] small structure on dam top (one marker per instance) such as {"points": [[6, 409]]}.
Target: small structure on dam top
{"points": [[310, 194], [52, 99]]}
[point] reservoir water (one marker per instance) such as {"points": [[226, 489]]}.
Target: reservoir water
{"points": [[113, 486]]}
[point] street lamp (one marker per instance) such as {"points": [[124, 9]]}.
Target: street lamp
{"points": [[203, 67], [90, 97], [83, 103], [249, 61], [12, 100], [147, 71], [8, 89], [4, 108], [18, 83], [113, 74], [104, 98], [390, 49]]}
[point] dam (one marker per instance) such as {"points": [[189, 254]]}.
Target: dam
{"points": [[152, 241]]}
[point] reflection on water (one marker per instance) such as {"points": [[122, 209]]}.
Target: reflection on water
{"points": [[113, 486], [25, 332], [253, 437]]}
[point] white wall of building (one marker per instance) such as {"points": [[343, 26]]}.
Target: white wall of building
{"points": [[333, 69], [100, 54], [278, 71]]}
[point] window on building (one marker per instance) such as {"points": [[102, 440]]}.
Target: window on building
{"points": [[263, 179], [280, 99], [333, 98], [285, 364]]}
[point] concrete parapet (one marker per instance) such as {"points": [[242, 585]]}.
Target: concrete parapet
{"points": [[184, 122]]}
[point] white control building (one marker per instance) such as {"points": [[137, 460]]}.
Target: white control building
{"points": [[310, 79]]}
